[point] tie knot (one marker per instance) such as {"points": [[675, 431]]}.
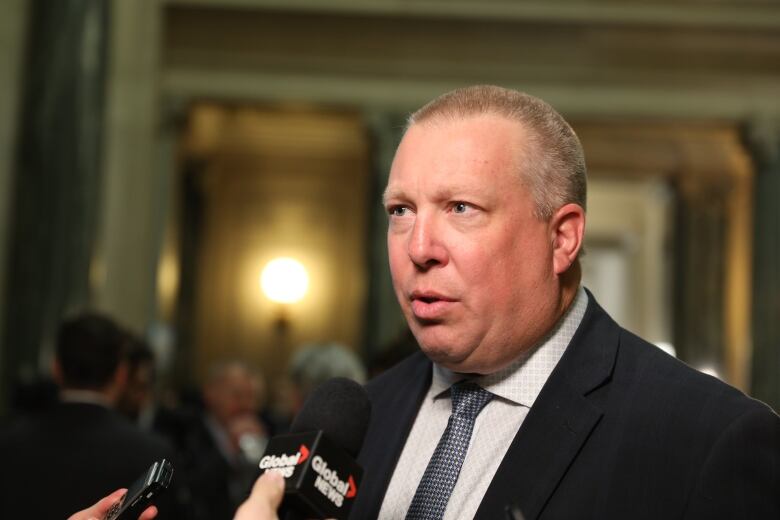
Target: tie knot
{"points": [[468, 399]]}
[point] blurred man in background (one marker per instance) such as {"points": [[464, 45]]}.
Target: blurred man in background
{"points": [[314, 364], [139, 400], [221, 449], [63, 457]]}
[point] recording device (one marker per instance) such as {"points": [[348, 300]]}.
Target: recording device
{"points": [[143, 491], [317, 457]]}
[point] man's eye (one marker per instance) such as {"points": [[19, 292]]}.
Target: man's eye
{"points": [[398, 211], [460, 207]]}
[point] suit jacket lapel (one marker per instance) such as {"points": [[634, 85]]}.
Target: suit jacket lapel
{"points": [[393, 414], [558, 423]]}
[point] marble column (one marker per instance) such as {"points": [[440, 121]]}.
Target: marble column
{"points": [[13, 25], [701, 238], [384, 321], [764, 141], [57, 177]]}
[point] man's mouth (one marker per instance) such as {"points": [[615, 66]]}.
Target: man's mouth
{"points": [[430, 306]]}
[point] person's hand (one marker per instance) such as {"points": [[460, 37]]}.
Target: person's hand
{"points": [[265, 498], [99, 510]]}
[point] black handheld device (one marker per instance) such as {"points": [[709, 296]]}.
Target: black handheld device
{"points": [[143, 492]]}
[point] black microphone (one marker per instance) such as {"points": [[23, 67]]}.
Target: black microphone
{"points": [[317, 457]]}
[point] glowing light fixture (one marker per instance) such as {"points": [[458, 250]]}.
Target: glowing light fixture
{"points": [[284, 280]]}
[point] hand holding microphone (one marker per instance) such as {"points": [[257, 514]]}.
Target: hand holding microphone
{"points": [[317, 457], [264, 500]]}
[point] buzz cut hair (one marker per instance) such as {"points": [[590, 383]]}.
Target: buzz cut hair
{"points": [[553, 164]]}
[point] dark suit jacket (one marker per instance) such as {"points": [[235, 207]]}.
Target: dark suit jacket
{"points": [[217, 487], [620, 430], [64, 459]]}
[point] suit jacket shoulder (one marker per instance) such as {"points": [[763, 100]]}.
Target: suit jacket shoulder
{"points": [[623, 430]]}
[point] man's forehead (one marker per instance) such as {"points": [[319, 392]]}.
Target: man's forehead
{"points": [[397, 190], [478, 156]]}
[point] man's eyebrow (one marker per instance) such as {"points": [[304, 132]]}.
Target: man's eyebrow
{"points": [[443, 193], [390, 193]]}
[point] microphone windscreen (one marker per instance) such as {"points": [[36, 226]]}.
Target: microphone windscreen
{"points": [[341, 409]]}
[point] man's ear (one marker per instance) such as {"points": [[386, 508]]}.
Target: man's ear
{"points": [[567, 227], [120, 376]]}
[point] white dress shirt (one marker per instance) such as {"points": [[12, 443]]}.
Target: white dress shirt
{"points": [[515, 387]]}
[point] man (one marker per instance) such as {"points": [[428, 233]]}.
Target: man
{"points": [[80, 448], [138, 401], [566, 415], [216, 448], [314, 364]]}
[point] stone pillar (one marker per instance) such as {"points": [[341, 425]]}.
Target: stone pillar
{"points": [[714, 248], [764, 140], [135, 194], [701, 224], [57, 177], [12, 52], [384, 321]]}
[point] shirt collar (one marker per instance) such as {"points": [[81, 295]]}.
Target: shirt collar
{"points": [[522, 380], [85, 396]]}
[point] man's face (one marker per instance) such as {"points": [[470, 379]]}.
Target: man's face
{"points": [[232, 395], [472, 266]]}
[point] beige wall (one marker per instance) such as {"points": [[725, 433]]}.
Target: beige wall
{"points": [[278, 182]]}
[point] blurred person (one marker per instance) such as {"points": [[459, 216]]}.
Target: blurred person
{"points": [[64, 457], [223, 446], [33, 393], [314, 364], [138, 400]]}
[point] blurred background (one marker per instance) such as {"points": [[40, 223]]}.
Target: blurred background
{"points": [[156, 155]]}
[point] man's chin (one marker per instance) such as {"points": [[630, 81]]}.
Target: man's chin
{"points": [[462, 363], [445, 357]]}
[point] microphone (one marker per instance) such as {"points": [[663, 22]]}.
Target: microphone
{"points": [[317, 457]]}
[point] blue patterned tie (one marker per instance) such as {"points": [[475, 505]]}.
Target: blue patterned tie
{"points": [[433, 492]]}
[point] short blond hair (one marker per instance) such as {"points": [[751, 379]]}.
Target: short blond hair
{"points": [[556, 173]]}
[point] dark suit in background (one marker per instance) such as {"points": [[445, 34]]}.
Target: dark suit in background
{"points": [[217, 468], [66, 458], [216, 485], [620, 430]]}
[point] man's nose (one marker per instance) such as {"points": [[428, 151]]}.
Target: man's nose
{"points": [[426, 249]]}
